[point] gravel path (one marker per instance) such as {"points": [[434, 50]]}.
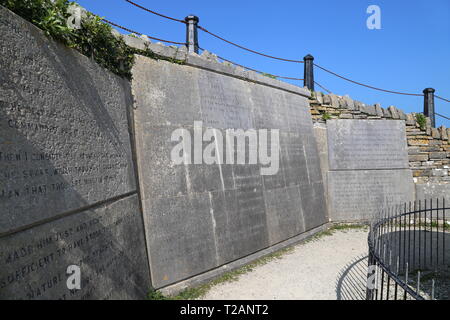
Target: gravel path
{"points": [[329, 268]]}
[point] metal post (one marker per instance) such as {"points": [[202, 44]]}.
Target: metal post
{"points": [[192, 33], [308, 73], [428, 106]]}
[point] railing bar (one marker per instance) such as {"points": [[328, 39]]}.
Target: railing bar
{"points": [[425, 237], [414, 236], [388, 287], [431, 232], [443, 231], [420, 233], [384, 268], [404, 236], [399, 218], [400, 238], [409, 234], [437, 234], [396, 286]]}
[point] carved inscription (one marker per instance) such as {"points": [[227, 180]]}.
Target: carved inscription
{"points": [[64, 141], [106, 243], [360, 194], [367, 144], [218, 213]]}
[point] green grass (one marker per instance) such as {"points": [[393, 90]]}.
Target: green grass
{"points": [[199, 291], [421, 120], [337, 227], [269, 75]]}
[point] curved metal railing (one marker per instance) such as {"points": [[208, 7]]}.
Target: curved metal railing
{"points": [[408, 252]]}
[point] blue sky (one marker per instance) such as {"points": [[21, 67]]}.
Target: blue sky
{"points": [[411, 51]]}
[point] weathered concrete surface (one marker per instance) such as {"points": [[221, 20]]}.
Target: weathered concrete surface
{"points": [[233, 265], [367, 144], [64, 140], [320, 133], [201, 216], [368, 163], [359, 194], [433, 191], [107, 243]]}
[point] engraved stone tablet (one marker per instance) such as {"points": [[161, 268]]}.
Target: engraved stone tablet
{"points": [[200, 216], [107, 243], [367, 144], [64, 140], [357, 195]]}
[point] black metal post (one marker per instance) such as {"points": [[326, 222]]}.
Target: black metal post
{"points": [[192, 33], [428, 106], [308, 73]]}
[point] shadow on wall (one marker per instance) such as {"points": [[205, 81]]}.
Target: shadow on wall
{"points": [[352, 280], [102, 240]]}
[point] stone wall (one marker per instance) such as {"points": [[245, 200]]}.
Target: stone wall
{"points": [[428, 148], [220, 212], [68, 192], [87, 178]]}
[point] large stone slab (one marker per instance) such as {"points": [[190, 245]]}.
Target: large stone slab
{"points": [[428, 191], [201, 216], [64, 138], [359, 194], [367, 144], [107, 243]]}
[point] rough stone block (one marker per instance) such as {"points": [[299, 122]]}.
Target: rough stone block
{"points": [[438, 155], [334, 101], [326, 99], [135, 42], [418, 157], [401, 114], [379, 110], [435, 133], [394, 112]]}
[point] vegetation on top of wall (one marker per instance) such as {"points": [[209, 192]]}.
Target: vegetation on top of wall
{"points": [[326, 116], [421, 120], [94, 39]]}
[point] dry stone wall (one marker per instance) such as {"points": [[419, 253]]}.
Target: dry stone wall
{"points": [[87, 181], [428, 148], [87, 178]]}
